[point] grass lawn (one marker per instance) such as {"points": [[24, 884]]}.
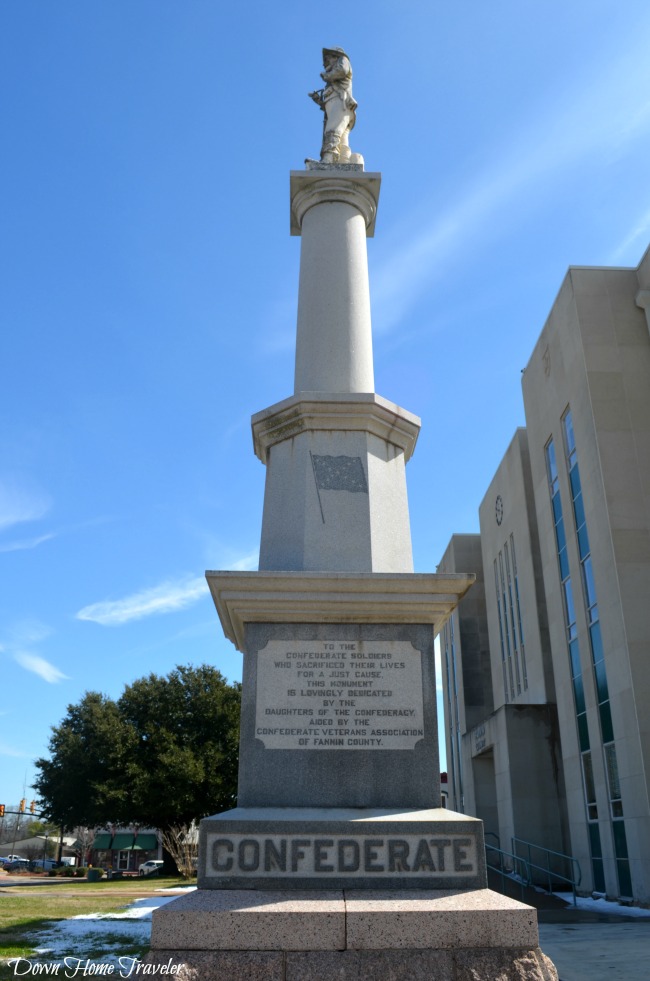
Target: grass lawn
{"points": [[25, 911]]}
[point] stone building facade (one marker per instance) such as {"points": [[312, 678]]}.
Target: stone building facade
{"points": [[562, 759]]}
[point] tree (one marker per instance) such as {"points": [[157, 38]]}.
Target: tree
{"points": [[164, 754], [82, 782]]}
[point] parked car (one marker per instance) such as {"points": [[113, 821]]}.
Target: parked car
{"points": [[6, 859], [151, 867], [19, 863], [47, 863]]}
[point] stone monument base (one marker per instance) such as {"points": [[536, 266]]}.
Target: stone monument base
{"points": [[291, 935]]}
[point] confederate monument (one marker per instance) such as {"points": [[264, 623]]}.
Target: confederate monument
{"points": [[338, 861]]}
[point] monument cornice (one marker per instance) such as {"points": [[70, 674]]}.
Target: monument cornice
{"points": [[311, 187], [334, 412], [333, 597]]}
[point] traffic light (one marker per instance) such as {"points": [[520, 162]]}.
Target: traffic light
{"points": [[32, 807], [21, 806], [2, 810]]}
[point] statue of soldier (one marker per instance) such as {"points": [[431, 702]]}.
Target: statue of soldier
{"points": [[338, 105]]}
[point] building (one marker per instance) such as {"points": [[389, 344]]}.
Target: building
{"points": [[125, 850], [563, 758]]}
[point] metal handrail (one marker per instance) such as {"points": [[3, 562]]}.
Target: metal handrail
{"points": [[506, 872], [575, 876], [522, 868]]}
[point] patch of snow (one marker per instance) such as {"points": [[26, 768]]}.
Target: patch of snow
{"points": [[80, 936], [604, 906]]}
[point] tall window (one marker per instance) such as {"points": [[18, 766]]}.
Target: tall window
{"points": [[511, 632], [597, 658], [571, 628], [506, 690], [520, 626]]}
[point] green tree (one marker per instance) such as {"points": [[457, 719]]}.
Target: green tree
{"points": [[163, 754], [82, 781], [184, 755]]}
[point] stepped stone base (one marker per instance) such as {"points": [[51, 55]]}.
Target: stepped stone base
{"points": [[486, 964], [437, 935]]}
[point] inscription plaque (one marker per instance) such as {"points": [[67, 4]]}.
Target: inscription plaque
{"points": [[339, 695], [443, 856]]}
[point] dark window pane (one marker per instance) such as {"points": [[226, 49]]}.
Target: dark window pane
{"points": [[587, 769], [550, 461], [583, 732], [574, 478], [620, 840], [583, 542], [564, 564], [574, 654], [597, 646], [579, 511], [568, 599], [606, 723], [588, 579], [557, 508], [594, 841], [601, 682], [624, 879], [611, 763], [560, 537], [579, 692]]}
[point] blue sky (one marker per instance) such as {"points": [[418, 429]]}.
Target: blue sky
{"points": [[149, 285]]}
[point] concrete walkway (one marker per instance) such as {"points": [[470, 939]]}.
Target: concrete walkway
{"points": [[603, 949]]}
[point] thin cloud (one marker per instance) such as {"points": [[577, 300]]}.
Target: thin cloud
{"points": [[26, 633], [27, 543], [38, 665], [168, 597], [638, 235], [603, 117], [19, 503], [246, 562]]}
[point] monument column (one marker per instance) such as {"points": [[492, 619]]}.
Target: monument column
{"points": [[338, 860], [333, 214]]}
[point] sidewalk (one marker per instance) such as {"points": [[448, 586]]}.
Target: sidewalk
{"points": [[596, 941], [597, 951]]}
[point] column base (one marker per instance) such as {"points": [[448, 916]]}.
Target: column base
{"points": [[475, 935]]}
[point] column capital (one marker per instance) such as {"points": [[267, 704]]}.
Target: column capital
{"points": [[320, 411], [312, 187]]}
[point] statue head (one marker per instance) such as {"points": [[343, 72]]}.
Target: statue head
{"points": [[333, 53]]}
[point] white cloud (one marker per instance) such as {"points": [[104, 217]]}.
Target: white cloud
{"points": [[246, 562], [168, 597], [38, 665], [19, 502], [601, 119], [26, 543], [637, 236], [25, 633]]}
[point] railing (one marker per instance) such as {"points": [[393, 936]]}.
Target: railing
{"points": [[509, 867], [556, 865], [516, 869]]}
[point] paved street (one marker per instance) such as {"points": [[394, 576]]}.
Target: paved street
{"points": [[600, 950]]}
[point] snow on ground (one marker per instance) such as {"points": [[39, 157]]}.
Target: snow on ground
{"points": [[100, 937], [603, 906]]}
